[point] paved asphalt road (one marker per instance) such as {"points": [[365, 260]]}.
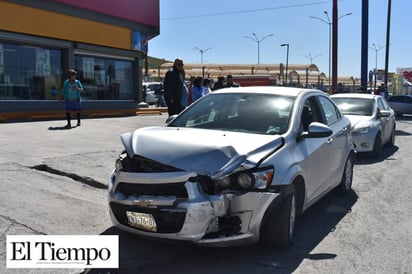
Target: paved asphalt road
{"points": [[53, 182]]}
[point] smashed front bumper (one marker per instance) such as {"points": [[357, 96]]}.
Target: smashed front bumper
{"points": [[364, 141], [170, 205]]}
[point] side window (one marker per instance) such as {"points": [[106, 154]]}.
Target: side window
{"points": [[331, 112], [382, 104], [310, 113]]}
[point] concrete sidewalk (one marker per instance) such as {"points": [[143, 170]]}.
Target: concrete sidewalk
{"points": [[88, 152]]}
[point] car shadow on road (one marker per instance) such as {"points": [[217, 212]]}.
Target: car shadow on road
{"points": [[138, 255], [367, 159]]}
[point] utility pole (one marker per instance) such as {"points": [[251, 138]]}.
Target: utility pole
{"points": [[202, 51], [257, 40], [388, 30]]}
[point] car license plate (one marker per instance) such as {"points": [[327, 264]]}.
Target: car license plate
{"points": [[142, 220]]}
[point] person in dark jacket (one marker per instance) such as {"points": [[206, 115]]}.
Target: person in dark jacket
{"points": [[220, 83], [229, 82], [174, 87]]}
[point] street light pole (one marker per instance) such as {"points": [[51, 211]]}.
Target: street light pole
{"points": [[376, 49], [201, 58], [287, 62], [257, 40], [329, 22], [311, 58]]}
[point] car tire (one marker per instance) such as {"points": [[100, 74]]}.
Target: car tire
{"points": [[391, 141], [377, 146], [347, 177], [279, 228]]}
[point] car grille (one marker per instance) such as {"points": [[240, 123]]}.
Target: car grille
{"points": [[174, 189], [167, 220], [141, 164]]}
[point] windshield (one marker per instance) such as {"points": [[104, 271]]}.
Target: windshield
{"points": [[251, 113], [355, 106]]}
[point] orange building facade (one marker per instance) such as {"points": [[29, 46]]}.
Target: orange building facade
{"points": [[105, 41]]}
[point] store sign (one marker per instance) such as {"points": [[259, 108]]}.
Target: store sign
{"points": [[139, 41], [407, 75]]}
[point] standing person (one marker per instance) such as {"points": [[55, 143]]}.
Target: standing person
{"points": [[381, 91], [229, 82], [220, 83], [197, 88], [174, 86], [72, 98], [192, 79], [206, 87], [184, 101]]}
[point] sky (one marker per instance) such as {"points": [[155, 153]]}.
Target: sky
{"points": [[219, 28]]}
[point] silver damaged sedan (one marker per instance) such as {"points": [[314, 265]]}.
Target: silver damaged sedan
{"points": [[237, 166]]}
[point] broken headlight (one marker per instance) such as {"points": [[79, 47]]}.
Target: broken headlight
{"points": [[119, 164], [255, 178]]}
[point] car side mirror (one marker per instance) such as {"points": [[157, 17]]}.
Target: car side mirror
{"points": [[384, 113], [316, 130]]}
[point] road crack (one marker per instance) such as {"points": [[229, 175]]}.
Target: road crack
{"points": [[83, 179], [14, 222]]}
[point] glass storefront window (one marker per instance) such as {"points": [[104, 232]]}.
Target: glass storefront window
{"points": [[105, 78], [29, 73]]}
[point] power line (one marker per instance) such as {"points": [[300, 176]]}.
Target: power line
{"points": [[245, 11]]}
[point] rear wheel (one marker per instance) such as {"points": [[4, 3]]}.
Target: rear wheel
{"points": [[279, 229], [377, 146], [346, 183]]}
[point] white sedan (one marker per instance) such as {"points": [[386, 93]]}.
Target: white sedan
{"points": [[373, 120]]}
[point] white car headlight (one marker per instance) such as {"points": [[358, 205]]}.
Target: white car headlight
{"points": [[254, 178], [263, 178], [259, 179], [224, 182], [361, 129], [246, 180], [118, 164]]}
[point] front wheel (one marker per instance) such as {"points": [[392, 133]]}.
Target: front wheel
{"points": [[391, 142], [279, 229], [377, 146]]}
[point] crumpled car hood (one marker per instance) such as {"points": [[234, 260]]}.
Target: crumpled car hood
{"points": [[206, 152]]}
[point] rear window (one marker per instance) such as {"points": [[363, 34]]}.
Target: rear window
{"points": [[355, 106]]}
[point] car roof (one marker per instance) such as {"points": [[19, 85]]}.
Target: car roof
{"points": [[355, 95], [268, 90]]}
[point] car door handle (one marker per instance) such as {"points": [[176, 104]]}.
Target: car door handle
{"points": [[330, 140]]}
